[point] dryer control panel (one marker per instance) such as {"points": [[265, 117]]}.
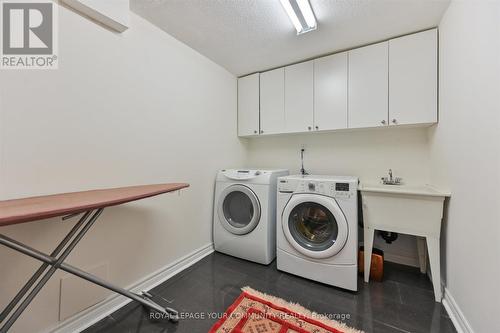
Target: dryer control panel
{"points": [[250, 176]]}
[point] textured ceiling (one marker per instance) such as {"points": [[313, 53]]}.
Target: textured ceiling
{"points": [[246, 36]]}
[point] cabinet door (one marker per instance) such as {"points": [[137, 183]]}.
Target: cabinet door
{"points": [[248, 105], [413, 78], [330, 92], [368, 86], [299, 97], [272, 101]]}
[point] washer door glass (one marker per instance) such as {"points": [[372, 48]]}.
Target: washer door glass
{"points": [[239, 209], [313, 226]]}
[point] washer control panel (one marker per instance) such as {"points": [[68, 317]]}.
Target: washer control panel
{"points": [[311, 187], [326, 187]]}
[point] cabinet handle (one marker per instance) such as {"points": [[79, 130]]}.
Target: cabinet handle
{"points": [[383, 122], [255, 132], [261, 131], [309, 128], [317, 127], [394, 121]]}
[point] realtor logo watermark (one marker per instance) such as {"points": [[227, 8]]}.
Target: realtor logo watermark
{"points": [[29, 34]]}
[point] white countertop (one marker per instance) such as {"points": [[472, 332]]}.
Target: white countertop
{"points": [[424, 190]]}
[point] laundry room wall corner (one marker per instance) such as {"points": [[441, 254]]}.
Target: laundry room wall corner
{"points": [[465, 159]]}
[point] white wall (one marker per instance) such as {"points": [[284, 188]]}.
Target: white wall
{"points": [[141, 107], [122, 109], [464, 150], [367, 154]]}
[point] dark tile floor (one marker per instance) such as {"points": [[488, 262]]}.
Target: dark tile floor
{"points": [[403, 302]]}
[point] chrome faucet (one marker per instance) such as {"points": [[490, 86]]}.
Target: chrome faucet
{"points": [[391, 180]]}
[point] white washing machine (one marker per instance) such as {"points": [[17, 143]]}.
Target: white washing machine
{"points": [[244, 223], [317, 228]]}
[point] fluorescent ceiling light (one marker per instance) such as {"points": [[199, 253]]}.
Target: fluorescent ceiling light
{"points": [[301, 15]]}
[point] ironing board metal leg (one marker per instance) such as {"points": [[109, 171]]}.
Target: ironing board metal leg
{"points": [[49, 260], [24, 304], [105, 284], [25, 249], [42, 268], [58, 263]]}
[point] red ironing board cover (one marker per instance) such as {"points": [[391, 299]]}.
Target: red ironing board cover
{"points": [[43, 207]]}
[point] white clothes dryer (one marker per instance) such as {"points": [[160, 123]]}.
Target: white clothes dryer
{"points": [[244, 222]]}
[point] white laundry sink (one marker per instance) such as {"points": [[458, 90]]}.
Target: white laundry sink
{"points": [[413, 210]]}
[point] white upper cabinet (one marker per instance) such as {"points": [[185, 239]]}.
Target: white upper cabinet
{"points": [[330, 92], [248, 105], [413, 79], [272, 101], [384, 84], [368, 86], [299, 97]]}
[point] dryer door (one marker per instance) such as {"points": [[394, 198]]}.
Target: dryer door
{"points": [[314, 225], [239, 209]]}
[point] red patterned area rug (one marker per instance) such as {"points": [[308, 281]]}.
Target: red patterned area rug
{"points": [[256, 312]]}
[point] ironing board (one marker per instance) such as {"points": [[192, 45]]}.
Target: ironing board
{"points": [[90, 205]]}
